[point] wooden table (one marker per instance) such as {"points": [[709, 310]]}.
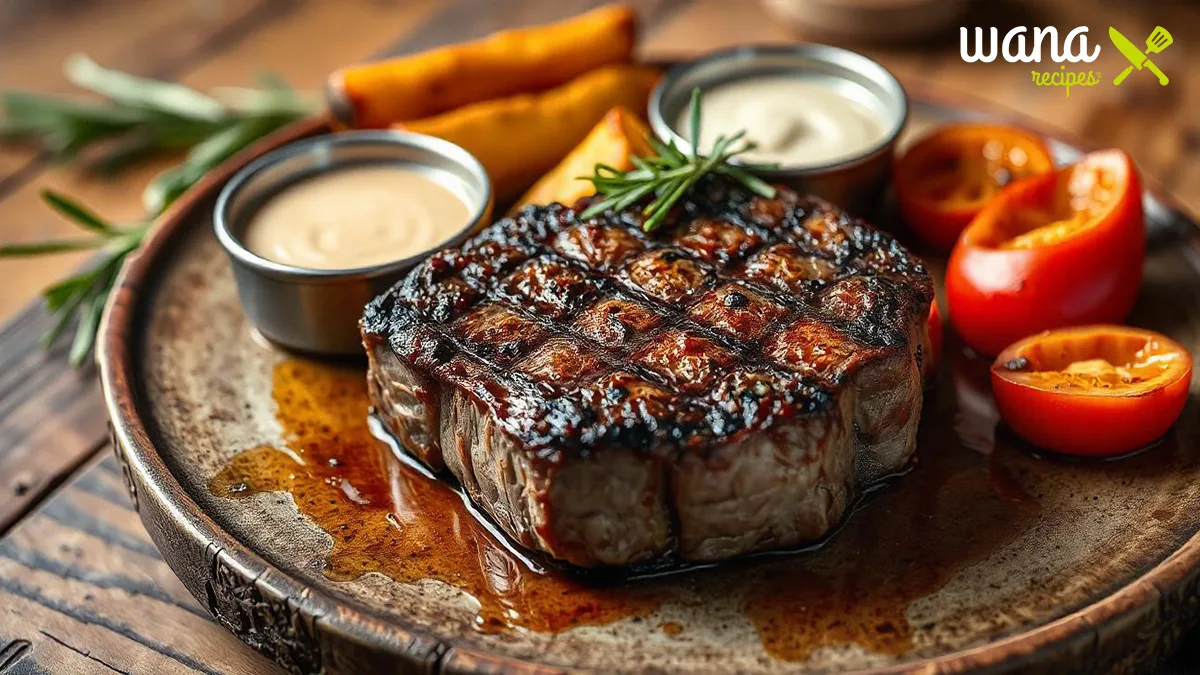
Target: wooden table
{"points": [[82, 588]]}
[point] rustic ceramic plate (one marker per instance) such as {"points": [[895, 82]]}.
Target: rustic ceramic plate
{"points": [[986, 557]]}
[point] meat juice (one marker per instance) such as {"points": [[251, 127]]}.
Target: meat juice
{"points": [[386, 516], [390, 516]]}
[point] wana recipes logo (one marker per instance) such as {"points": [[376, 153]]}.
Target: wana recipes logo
{"points": [[1024, 45]]}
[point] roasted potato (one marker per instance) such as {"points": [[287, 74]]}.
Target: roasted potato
{"points": [[520, 138], [503, 64], [618, 137]]}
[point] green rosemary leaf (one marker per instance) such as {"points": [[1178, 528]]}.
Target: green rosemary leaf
{"points": [[655, 219], [39, 112], [167, 186], [751, 182], [122, 152], [632, 196], [670, 173], [667, 151], [85, 332], [264, 102], [77, 213], [18, 130], [694, 123], [721, 148], [739, 136], [226, 142], [166, 97], [48, 247], [661, 191], [641, 164], [58, 294], [66, 312], [272, 81]]}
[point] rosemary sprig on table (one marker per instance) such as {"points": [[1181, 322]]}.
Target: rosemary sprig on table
{"points": [[136, 118], [671, 173]]}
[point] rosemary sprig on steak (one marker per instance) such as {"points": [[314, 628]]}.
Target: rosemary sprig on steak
{"points": [[672, 172]]}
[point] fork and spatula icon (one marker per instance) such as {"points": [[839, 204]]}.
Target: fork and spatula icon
{"points": [[1159, 40]]}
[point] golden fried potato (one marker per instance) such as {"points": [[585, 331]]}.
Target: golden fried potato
{"points": [[618, 137], [503, 64], [522, 137]]}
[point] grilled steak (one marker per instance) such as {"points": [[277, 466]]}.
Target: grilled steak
{"points": [[721, 386]]}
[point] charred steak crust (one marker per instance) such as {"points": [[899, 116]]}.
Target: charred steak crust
{"points": [[598, 391]]}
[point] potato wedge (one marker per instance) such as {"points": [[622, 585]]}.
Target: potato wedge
{"points": [[618, 137], [504, 64], [522, 137]]}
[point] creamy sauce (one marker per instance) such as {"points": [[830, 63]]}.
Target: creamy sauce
{"points": [[355, 217], [795, 122]]}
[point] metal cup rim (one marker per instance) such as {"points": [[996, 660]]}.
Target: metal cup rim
{"points": [[810, 51], [223, 219]]}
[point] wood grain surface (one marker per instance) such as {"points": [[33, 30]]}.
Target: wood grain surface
{"points": [[84, 590], [81, 588]]}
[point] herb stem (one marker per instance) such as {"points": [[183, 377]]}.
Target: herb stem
{"points": [[671, 173]]}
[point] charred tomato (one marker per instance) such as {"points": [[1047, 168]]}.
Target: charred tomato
{"points": [[1061, 249], [948, 177], [1097, 391]]}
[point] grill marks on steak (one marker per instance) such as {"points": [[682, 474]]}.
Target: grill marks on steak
{"points": [[611, 397]]}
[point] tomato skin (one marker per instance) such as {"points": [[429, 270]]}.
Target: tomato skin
{"points": [[1089, 426], [937, 227], [997, 296], [1084, 424], [939, 220]]}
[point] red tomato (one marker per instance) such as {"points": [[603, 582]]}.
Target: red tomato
{"points": [[932, 356], [1061, 249], [944, 180], [1097, 390]]}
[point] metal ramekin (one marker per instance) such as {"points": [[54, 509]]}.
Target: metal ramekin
{"points": [[317, 311], [856, 183]]}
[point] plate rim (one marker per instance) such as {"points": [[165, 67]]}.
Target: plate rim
{"points": [[303, 612]]}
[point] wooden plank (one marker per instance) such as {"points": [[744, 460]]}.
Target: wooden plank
{"points": [[82, 590], [37, 387], [707, 25]]}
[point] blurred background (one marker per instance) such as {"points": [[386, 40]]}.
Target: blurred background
{"points": [[206, 43]]}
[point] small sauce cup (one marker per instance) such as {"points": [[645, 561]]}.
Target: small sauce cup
{"points": [[855, 183], [317, 310]]}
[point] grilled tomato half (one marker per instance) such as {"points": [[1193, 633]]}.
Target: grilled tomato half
{"points": [[945, 180], [1060, 249], [1097, 391]]}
